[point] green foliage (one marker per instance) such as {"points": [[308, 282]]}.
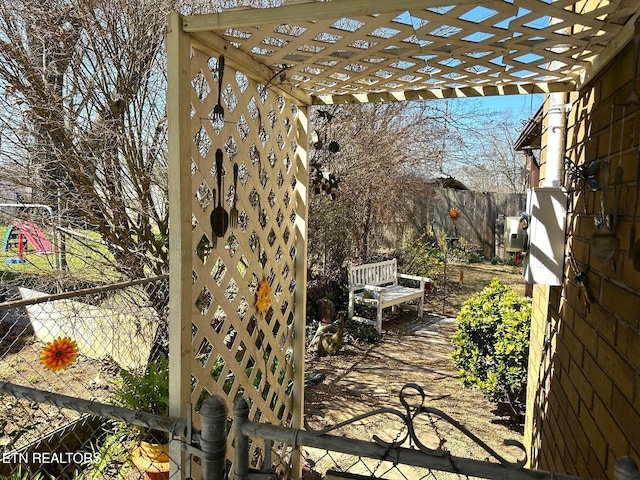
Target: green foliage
{"points": [[422, 255], [511, 261], [112, 455], [24, 474], [495, 260], [491, 345], [475, 257], [145, 390], [362, 332]]}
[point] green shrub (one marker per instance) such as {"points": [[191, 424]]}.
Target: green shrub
{"points": [[422, 255], [491, 345], [511, 261], [476, 257], [145, 390]]}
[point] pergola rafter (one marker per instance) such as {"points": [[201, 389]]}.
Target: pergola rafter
{"points": [[381, 50]]}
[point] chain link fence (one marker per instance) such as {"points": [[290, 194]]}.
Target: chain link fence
{"points": [[72, 331]]}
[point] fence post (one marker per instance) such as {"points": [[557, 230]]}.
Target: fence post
{"points": [[626, 469], [240, 417], [213, 437]]}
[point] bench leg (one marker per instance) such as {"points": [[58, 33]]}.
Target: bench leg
{"points": [[379, 317], [421, 307], [351, 302]]}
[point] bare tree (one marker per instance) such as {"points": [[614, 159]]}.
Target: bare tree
{"points": [[83, 121], [84, 84], [477, 147], [380, 169]]}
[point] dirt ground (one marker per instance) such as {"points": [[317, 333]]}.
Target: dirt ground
{"points": [[23, 420], [448, 298], [363, 377]]}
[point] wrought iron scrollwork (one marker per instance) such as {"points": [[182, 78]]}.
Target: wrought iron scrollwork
{"points": [[408, 417]]}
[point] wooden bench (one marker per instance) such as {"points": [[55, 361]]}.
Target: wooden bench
{"points": [[376, 285]]}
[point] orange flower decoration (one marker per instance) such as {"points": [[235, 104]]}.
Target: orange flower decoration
{"points": [[454, 213], [59, 354], [263, 297]]}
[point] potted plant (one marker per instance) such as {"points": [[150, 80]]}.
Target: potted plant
{"points": [[147, 390]]}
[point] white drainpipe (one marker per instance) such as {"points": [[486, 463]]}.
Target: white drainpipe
{"points": [[556, 134]]}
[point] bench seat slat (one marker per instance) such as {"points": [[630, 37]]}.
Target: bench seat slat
{"points": [[393, 295]]}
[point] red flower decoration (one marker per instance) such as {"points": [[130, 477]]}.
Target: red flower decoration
{"points": [[454, 213]]}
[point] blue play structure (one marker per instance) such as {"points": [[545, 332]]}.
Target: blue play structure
{"points": [[11, 238]]}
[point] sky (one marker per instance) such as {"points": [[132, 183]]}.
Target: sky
{"points": [[525, 104]]}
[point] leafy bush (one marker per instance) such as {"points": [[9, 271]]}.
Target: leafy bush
{"points": [[475, 257], [512, 261], [491, 345], [146, 390], [422, 255]]}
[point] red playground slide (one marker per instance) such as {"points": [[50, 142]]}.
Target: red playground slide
{"points": [[35, 237]]}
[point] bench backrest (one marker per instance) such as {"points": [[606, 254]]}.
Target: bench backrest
{"points": [[373, 273]]}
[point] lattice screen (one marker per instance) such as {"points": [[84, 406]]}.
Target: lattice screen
{"points": [[236, 350], [342, 49]]}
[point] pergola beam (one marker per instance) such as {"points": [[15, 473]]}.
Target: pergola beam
{"points": [[358, 50], [212, 44], [304, 12], [614, 47], [434, 94]]}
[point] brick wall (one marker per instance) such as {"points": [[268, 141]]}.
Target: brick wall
{"points": [[583, 402]]}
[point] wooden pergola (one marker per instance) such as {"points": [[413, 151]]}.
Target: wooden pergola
{"points": [[372, 50], [279, 62]]}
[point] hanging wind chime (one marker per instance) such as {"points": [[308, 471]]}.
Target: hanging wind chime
{"points": [[323, 181]]}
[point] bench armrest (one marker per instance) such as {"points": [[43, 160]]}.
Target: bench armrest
{"points": [[414, 277]]}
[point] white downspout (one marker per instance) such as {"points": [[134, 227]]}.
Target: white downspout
{"points": [[556, 135]]}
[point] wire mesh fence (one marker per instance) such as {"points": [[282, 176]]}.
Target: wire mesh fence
{"points": [[83, 344]]}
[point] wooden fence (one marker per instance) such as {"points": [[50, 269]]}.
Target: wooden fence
{"points": [[481, 221]]}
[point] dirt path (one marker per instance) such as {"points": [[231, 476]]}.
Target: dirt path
{"points": [[364, 377]]}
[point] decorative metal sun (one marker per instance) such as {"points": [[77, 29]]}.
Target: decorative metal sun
{"points": [[59, 354], [263, 297]]}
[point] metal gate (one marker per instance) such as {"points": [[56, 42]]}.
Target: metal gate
{"points": [[404, 457]]}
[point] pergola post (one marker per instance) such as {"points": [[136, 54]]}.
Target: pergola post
{"points": [[303, 125], [180, 305]]}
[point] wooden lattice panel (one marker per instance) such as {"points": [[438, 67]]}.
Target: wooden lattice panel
{"points": [[467, 45], [236, 350]]}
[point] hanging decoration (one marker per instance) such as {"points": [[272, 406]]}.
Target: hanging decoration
{"points": [[59, 354], [322, 179], [584, 175], [263, 297]]}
